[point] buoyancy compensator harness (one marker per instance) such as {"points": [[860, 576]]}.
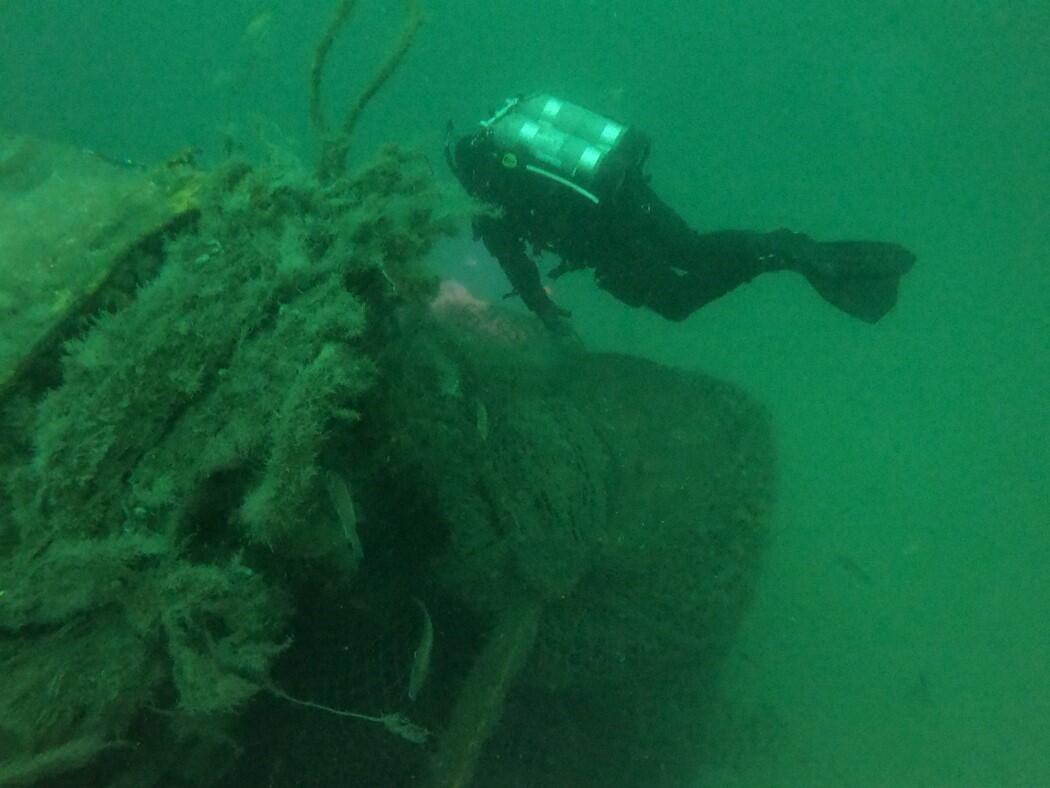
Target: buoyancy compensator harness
{"points": [[566, 143]]}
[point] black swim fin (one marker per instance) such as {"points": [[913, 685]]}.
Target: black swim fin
{"points": [[859, 277]]}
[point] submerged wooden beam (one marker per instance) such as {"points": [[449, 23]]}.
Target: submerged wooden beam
{"points": [[480, 704]]}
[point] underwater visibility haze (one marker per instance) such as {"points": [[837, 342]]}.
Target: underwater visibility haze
{"points": [[293, 495]]}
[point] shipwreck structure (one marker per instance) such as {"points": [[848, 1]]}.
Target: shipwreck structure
{"points": [[268, 518]]}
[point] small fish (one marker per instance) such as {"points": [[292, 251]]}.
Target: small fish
{"points": [[481, 419], [343, 503], [919, 693], [421, 656], [259, 26], [117, 161], [855, 570]]}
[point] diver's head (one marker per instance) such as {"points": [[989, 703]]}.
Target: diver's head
{"points": [[471, 159]]}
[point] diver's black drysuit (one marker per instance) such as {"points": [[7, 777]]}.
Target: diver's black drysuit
{"points": [[640, 249]]}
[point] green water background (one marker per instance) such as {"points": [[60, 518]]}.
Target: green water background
{"points": [[900, 635]]}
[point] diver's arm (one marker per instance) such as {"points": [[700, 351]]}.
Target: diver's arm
{"points": [[509, 250]]}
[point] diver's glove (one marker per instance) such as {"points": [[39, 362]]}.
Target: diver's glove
{"points": [[560, 327], [552, 314]]}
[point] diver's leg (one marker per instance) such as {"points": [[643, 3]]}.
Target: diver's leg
{"points": [[685, 269], [678, 271], [859, 277], [672, 294]]}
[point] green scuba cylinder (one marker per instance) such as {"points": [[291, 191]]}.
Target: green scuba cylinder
{"points": [[570, 144], [574, 120]]}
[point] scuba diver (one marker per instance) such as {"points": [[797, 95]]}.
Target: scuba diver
{"points": [[564, 179]]}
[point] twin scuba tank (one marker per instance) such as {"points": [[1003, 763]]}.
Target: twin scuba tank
{"points": [[582, 150]]}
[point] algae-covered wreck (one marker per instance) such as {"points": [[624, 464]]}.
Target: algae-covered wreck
{"points": [[268, 519]]}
